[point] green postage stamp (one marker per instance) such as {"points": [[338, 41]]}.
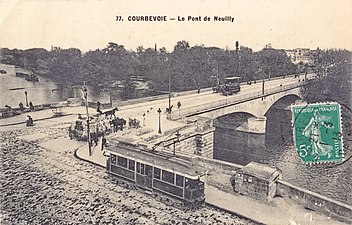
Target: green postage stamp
{"points": [[317, 132]]}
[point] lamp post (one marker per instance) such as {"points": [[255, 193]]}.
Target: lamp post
{"points": [[88, 127], [263, 90], [177, 140], [110, 95], [159, 113], [25, 93], [167, 61]]}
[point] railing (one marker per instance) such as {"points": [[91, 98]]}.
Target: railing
{"points": [[183, 93], [207, 106]]}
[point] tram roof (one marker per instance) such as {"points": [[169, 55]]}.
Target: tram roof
{"points": [[164, 160], [232, 78]]}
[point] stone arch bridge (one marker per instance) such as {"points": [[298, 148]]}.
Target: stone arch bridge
{"points": [[255, 104]]}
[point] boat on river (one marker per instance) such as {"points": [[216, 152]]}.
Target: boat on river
{"points": [[28, 77], [32, 77]]}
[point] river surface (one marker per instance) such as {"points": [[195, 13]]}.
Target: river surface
{"points": [[275, 149], [45, 91]]}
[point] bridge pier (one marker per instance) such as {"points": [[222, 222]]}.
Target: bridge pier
{"points": [[257, 125], [204, 142]]}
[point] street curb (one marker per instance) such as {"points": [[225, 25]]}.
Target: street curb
{"points": [[46, 118], [86, 160]]}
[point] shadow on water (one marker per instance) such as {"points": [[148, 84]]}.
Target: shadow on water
{"points": [[276, 149]]}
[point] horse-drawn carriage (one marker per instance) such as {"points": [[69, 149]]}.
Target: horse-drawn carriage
{"points": [[133, 123], [99, 125]]}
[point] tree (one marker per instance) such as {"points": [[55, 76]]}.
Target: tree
{"points": [[128, 90], [181, 45]]}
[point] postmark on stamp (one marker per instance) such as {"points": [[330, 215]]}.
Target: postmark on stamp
{"points": [[317, 132]]}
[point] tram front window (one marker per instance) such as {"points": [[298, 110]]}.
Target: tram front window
{"points": [[191, 183]]}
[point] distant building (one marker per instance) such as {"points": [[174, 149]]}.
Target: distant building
{"points": [[268, 46], [298, 55]]}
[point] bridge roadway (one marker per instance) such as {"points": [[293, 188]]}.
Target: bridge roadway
{"points": [[204, 99]]}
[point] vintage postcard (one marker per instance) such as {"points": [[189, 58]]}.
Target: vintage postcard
{"points": [[175, 112]]}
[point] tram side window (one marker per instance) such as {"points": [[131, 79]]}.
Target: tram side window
{"points": [[140, 168], [113, 159], [122, 161], [179, 180], [157, 173], [131, 164], [148, 171], [168, 177]]}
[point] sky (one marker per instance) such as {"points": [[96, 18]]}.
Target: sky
{"points": [[89, 25]]}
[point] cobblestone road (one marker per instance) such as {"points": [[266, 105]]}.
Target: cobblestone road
{"points": [[43, 186]]}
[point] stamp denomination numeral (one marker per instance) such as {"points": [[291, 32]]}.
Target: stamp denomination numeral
{"points": [[303, 150]]}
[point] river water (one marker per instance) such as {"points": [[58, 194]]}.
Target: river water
{"points": [[45, 91], [275, 148]]}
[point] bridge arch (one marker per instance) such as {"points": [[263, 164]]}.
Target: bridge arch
{"points": [[240, 121], [256, 108], [283, 102]]}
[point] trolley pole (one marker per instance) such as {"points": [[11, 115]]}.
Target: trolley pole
{"points": [[88, 122], [25, 94], [177, 140], [169, 93]]}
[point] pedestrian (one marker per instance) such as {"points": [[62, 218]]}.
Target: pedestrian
{"points": [[143, 119], [71, 132], [98, 108], [103, 142], [178, 104], [96, 138], [21, 106], [29, 121], [31, 107]]}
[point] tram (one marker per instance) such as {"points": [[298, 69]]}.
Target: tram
{"points": [[231, 86], [169, 178]]}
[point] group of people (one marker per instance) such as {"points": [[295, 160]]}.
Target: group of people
{"points": [[31, 106], [169, 109], [94, 137], [100, 126]]}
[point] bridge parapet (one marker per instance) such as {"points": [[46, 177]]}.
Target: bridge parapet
{"points": [[230, 100]]}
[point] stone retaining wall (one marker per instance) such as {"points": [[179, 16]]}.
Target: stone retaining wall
{"points": [[315, 201]]}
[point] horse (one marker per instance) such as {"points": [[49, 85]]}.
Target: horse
{"points": [[111, 112], [118, 123]]}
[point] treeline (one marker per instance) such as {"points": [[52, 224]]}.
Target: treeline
{"points": [[187, 67], [334, 84]]}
